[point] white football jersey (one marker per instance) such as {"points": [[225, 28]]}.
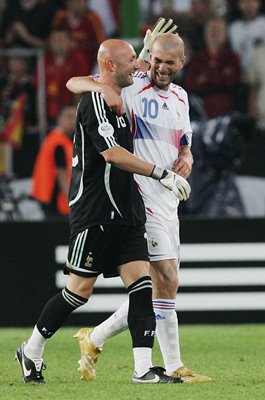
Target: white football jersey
{"points": [[160, 124]]}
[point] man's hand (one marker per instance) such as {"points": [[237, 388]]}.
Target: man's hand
{"points": [[113, 100], [177, 184], [183, 165], [173, 182], [163, 25]]}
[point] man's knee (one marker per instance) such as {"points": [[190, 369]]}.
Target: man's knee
{"points": [[81, 286], [165, 279]]}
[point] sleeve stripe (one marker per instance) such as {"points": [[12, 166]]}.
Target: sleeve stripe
{"points": [[99, 108], [102, 108], [100, 112]]}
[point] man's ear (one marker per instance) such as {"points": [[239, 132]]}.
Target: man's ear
{"points": [[109, 65], [182, 62]]}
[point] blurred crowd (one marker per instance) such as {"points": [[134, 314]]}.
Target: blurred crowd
{"points": [[223, 75]]}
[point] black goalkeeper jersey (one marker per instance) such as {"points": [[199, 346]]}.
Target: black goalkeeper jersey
{"points": [[101, 193]]}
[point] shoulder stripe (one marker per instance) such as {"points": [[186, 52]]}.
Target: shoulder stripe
{"points": [[99, 108], [101, 115]]}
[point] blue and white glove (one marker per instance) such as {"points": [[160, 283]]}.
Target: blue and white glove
{"points": [[162, 25], [173, 182]]}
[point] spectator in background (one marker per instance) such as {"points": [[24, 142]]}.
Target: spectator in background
{"points": [[214, 72], [52, 170], [61, 62], [16, 100], [234, 13], [86, 28], [28, 24], [16, 109], [247, 32]]}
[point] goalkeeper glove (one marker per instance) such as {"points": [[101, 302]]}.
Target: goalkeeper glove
{"points": [[173, 182], [163, 25]]}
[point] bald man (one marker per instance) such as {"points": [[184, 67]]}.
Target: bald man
{"points": [[158, 112], [107, 221]]}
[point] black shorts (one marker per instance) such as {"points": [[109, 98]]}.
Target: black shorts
{"points": [[101, 249]]}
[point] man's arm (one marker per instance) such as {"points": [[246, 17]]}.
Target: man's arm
{"points": [[127, 161], [61, 166], [82, 84], [63, 180], [183, 164], [123, 159]]}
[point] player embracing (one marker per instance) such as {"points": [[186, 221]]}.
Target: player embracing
{"points": [[158, 111]]}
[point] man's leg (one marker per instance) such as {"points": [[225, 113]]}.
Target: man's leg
{"points": [[165, 284], [166, 324], [54, 314], [137, 313], [141, 322], [91, 340], [112, 326]]}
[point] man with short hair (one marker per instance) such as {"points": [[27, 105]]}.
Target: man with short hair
{"points": [[107, 220]]}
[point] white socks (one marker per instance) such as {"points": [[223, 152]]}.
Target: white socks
{"points": [[167, 333], [142, 360], [35, 345], [115, 324]]}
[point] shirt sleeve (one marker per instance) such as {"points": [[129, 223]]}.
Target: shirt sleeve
{"points": [[186, 138]]}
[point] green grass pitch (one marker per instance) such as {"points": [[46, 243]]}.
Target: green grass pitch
{"points": [[233, 355]]}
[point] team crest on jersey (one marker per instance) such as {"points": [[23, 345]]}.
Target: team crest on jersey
{"points": [[105, 129], [89, 260]]}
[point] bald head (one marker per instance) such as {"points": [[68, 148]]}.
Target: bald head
{"points": [[168, 42], [114, 50], [116, 63]]}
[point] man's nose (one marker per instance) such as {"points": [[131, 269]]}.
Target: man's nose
{"points": [[162, 67]]}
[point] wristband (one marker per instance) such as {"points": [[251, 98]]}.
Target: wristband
{"points": [[158, 173]]}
